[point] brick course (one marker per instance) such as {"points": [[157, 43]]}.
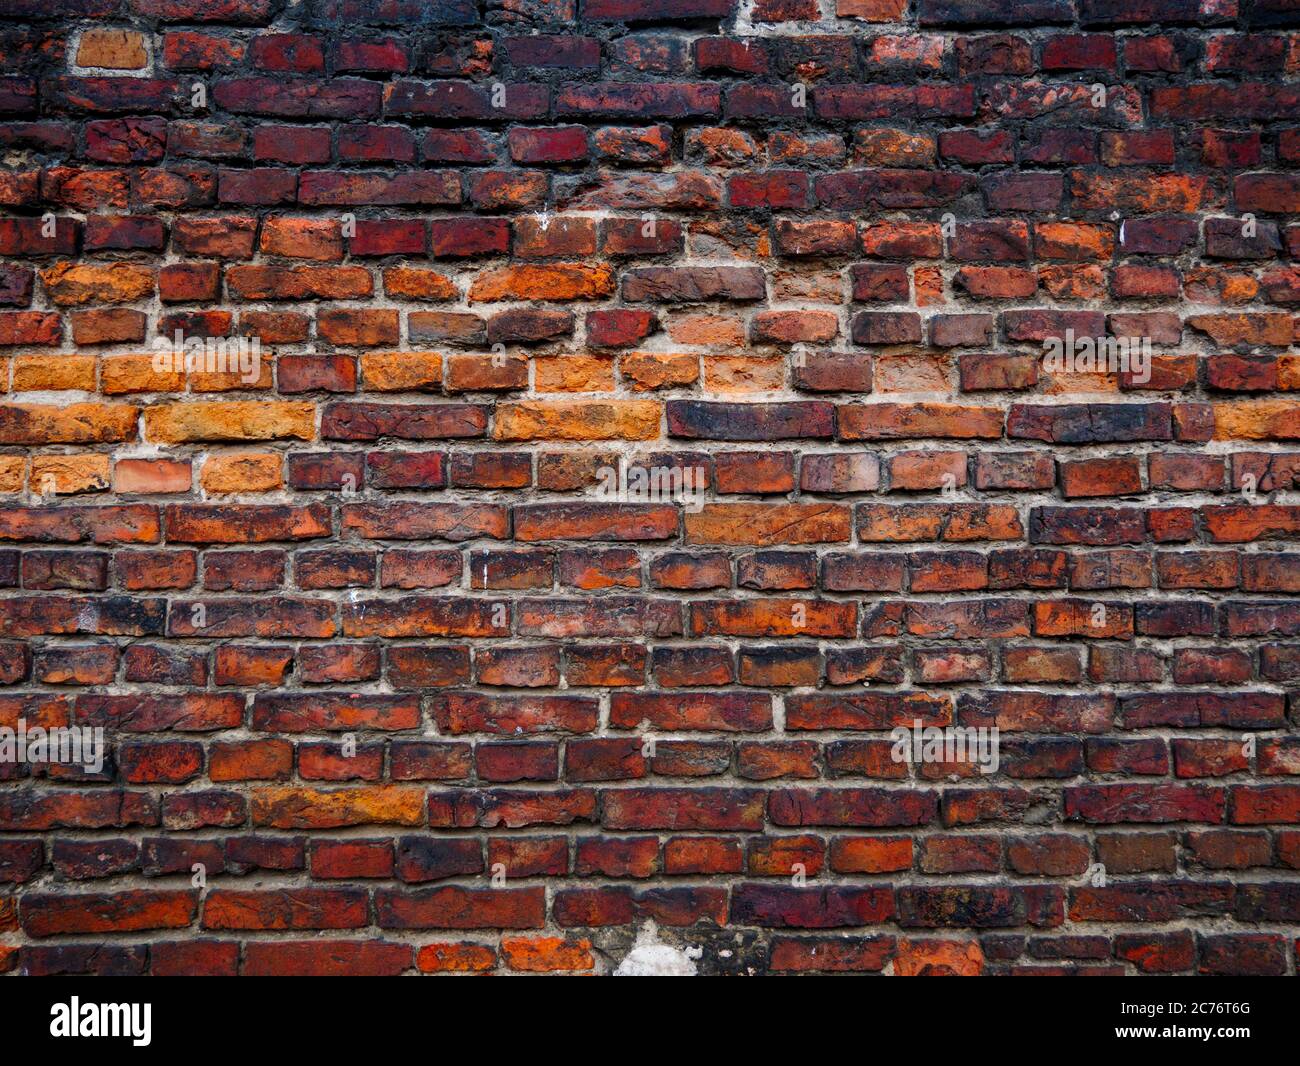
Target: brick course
{"points": [[375, 651]]}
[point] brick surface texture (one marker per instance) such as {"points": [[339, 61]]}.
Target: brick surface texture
{"points": [[409, 655]]}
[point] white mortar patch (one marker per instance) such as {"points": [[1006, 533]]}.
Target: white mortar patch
{"points": [[650, 957]]}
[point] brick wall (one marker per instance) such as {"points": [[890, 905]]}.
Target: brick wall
{"points": [[401, 670]]}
